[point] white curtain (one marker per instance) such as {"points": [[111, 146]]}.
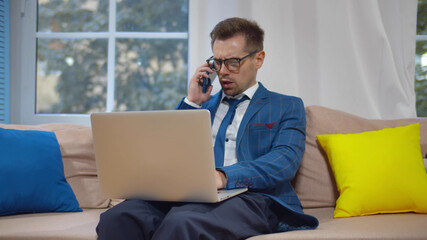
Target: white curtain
{"points": [[352, 55]]}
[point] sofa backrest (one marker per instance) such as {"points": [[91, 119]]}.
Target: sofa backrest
{"points": [[314, 182]]}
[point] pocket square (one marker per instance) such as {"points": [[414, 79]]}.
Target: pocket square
{"points": [[268, 125]]}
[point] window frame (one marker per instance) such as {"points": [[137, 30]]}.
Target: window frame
{"points": [[419, 38], [4, 62], [23, 43]]}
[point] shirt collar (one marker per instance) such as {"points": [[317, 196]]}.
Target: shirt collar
{"points": [[250, 92]]}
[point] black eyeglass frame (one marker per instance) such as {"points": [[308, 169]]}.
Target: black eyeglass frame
{"points": [[239, 60]]}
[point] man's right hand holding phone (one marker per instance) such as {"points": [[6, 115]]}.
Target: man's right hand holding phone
{"points": [[195, 89]]}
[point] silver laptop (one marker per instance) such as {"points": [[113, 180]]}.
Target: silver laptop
{"points": [[157, 155]]}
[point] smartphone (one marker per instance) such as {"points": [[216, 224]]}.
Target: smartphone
{"points": [[208, 81]]}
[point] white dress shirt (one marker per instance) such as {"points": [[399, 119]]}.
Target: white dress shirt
{"points": [[230, 156]]}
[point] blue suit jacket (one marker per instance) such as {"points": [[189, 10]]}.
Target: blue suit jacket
{"points": [[269, 147]]}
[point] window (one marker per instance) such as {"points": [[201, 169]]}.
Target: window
{"points": [[95, 55], [108, 55], [421, 60]]}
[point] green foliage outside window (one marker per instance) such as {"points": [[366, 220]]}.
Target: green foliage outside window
{"points": [[149, 73]]}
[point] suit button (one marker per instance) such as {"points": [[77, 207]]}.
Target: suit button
{"points": [[226, 140]]}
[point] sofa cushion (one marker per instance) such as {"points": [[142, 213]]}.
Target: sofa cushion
{"points": [[42, 226], [78, 156], [378, 171], [382, 226], [32, 174], [314, 182]]}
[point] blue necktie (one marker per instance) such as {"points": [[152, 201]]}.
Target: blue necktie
{"points": [[220, 137]]}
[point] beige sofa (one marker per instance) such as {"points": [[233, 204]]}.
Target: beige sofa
{"points": [[314, 184]]}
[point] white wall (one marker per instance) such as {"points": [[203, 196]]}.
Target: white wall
{"points": [[355, 56]]}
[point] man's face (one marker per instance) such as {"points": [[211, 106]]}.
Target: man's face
{"points": [[233, 83]]}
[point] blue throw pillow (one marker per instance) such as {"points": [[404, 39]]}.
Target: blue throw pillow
{"points": [[32, 174]]}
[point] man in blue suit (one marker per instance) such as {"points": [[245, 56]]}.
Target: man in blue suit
{"points": [[259, 141]]}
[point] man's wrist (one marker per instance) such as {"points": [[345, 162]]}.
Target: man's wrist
{"points": [[191, 103], [223, 177]]}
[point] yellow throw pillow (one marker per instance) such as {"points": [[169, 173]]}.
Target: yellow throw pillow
{"points": [[378, 171]]}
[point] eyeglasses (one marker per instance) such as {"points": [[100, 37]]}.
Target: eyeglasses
{"points": [[232, 64]]}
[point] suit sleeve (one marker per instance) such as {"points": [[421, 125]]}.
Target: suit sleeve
{"points": [[279, 164], [183, 105]]}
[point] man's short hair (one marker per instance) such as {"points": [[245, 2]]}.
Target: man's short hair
{"points": [[231, 27]]}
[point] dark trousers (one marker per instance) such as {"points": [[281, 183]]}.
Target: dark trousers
{"points": [[240, 217]]}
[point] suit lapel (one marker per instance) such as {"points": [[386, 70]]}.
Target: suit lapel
{"points": [[259, 100], [212, 104]]}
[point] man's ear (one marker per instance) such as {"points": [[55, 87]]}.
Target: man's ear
{"points": [[259, 59]]}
